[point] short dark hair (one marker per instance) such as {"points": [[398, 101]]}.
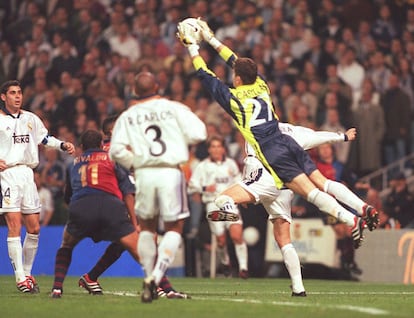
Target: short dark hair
{"points": [[91, 139], [107, 122], [246, 68], [5, 87]]}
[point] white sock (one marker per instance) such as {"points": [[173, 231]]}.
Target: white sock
{"points": [[166, 253], [147, 251], [328, 204], [344, 195], [30, 245], [292, 263], [14, 246], [241, 253], [223, 255]]}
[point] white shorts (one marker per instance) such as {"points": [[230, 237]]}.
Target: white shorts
{"points": [[219, 228], [260, 183], [161, 191], [18, 191]]}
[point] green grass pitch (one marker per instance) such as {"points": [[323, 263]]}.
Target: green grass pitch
{"points": [[220, 297]]}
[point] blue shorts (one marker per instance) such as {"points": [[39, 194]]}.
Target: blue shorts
{"points": [[286, 157], [102, 217]]}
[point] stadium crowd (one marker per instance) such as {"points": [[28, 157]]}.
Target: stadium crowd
{"points": [[330, 64]]}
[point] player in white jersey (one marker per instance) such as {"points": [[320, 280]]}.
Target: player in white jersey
{"points": [[210, 177], [152, 137], [258, 182], [20, 134]]}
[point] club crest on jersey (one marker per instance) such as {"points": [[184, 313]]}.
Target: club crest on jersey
{"points": [[21, 139], [29, 125]]}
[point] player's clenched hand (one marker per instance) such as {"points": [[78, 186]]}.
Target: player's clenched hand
{"points": [[351, 134], [68, 147]]}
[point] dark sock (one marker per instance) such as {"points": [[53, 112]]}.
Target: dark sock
{"points": [[165, 285], [62, 262], [112, 253]]}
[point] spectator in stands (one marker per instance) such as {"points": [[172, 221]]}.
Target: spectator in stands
{"points": [[350, 70], [124, 43], [64, 62], [368, 119], [333, 124], [8, 61], [399, 204], [384, 28], [46, 200], [397, 113]]}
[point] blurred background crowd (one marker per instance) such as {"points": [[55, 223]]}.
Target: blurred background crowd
{"points": [[330, 64]]}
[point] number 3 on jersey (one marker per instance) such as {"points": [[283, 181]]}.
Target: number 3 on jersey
{"points": [[158, 146]]}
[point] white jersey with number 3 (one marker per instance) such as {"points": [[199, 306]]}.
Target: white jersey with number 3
{"points": [[155, 132]]}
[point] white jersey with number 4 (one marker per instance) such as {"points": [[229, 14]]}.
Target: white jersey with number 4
{"points": [[20, 137], [155, 132]]}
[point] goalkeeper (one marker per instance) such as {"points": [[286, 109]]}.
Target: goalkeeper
{"points": [[250, 106]]}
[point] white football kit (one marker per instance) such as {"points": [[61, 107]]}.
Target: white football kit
{"points": [[153, 138], [222, 174], [19, 140], [260, 183]]}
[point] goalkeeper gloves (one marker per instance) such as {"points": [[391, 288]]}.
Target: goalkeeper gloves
{"points": [[186, 34], [207, 34]]}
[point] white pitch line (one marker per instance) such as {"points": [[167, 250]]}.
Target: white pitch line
{"points": [[356, 293], [366, 310]]}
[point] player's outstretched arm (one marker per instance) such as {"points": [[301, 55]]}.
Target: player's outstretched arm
{"points": [[308, 138], [208, 35]]}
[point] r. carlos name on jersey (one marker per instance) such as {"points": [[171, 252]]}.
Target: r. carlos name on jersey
{"points": [[150, 117]]}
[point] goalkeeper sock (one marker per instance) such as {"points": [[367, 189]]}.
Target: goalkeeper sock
{"points": [[14, 246], [111, 255], [62, 262], [30, 245], [329, 205], [344, 195]]}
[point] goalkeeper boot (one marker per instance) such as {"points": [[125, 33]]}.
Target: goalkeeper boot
{"points": [[370, 215], [149, 290], [25, 286], [32, 280], [357, 231], [93, 287]]}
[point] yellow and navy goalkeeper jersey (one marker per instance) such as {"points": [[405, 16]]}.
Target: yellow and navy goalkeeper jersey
{"points": [[250, 106]]}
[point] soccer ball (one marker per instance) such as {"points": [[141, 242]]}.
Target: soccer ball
{"points": [[251, 235], [193, 29]]}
